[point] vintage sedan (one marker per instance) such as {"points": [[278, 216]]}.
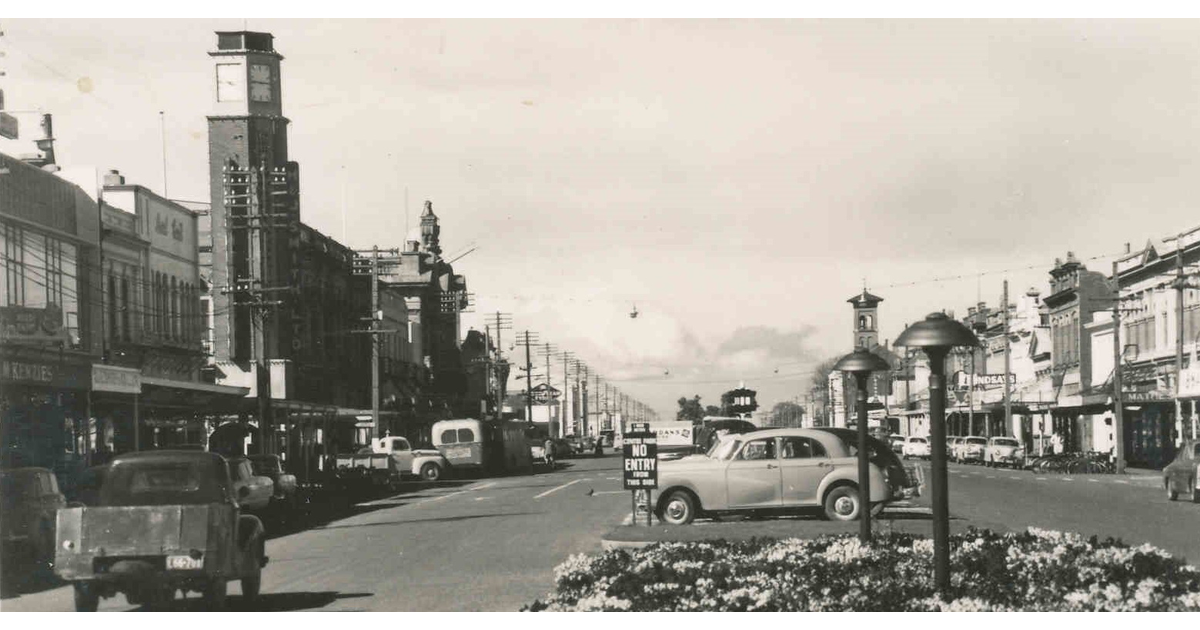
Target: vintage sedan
{"points": [[1004, 451], [1182, 475], [970, 449], [779, 469], [29, 500], [285, 489], [259, 488], [916, 446]]}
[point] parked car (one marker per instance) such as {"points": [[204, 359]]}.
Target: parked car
{"points": [[896, 441], [971, 448], [776, 470], [915, 446], [606, 438], [285, 491], [1004, 451], [29, 499], [427, 464], [87, 486], [259, 488], [166, 521], [1182, 475], [562, 448]]}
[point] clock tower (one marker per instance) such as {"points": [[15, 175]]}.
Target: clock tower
{"points": [[866, 320], [254, 193]]}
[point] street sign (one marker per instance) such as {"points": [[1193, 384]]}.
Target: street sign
{"points": [[640, 450]]}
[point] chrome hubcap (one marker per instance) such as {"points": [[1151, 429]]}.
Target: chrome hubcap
{"points": [[844, 506], [676, 510]]}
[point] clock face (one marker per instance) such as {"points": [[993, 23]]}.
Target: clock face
{"points": [[260, 91], [260, 73]]}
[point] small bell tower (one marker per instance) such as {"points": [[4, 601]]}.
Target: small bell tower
{"points": [[430, 230], [866, 319]]}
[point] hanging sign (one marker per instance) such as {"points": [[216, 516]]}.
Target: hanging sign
{"points": [[640, 450]]}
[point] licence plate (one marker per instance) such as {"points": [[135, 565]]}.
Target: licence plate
{"points": [[184, 562]]}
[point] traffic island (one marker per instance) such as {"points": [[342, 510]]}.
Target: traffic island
{"points": [[905, 519]]}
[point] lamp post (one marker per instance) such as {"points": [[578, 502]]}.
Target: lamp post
{"points": [[936, 335], [860, 364]]}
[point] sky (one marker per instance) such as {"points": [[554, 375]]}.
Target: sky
{"points": [[737, 181]]}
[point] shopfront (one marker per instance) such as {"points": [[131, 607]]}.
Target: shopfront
{"points": [[43, 409]]}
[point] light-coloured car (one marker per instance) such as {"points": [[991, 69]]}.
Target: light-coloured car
{"points": [[259, 488], [896, 441], [952, 444], [971, 449], [1182, 475], [916, 446], [779, 469], [427, 463], [1004, 451]]}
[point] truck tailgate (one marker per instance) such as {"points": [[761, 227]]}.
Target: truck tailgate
{"points": [[143, 530]]}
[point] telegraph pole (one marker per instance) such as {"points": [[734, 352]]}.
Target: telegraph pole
{"points": [[528, 340], [500, 322], [566, 398], [583, 396], [1118, 411], [1180, 283], [1007, 367], [372, 267]]}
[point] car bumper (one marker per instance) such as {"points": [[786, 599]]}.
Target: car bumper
{"points": [[966, 457]]}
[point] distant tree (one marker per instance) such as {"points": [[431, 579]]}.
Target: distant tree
{"points": [[786, 414], [820, 377], [690, 409], [712, 410]]}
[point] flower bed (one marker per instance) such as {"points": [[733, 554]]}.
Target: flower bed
{"points": [[1033, 570]]}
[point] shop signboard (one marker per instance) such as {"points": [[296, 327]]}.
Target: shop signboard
{"points": [[963, 380], [32, 324], [109, 378], [543, 394], [1189, 382], [38, 373]]}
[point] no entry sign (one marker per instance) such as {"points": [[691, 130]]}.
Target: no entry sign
{"points": [[641, 457]]}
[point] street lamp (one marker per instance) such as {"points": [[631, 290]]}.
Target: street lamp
{"points": [[936, 334], [861, 363]]}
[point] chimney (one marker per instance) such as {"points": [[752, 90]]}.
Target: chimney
{"points": [[1127, 249], [1071, 257], [114, 178], [414, 246]]}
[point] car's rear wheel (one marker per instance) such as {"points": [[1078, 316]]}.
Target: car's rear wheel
{"points": [[842, 504], [86, 598], [1171, 493], [679, 508], [431, 471]]}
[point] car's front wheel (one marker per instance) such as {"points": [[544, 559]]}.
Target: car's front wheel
{"points": [[431, 472], [86, 598], [679, 508], [842, 504], [1171, 493]]}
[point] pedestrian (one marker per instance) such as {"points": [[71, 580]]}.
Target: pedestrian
{"points": [[548, 446]]}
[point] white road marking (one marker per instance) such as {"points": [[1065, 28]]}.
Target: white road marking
{"points": [[612, 478], [553, 490], [1067, 479], [628, 520], [454, 494], [1121, 481], [612, 492], [1093, 481], [1013, 477], [991, 476]]}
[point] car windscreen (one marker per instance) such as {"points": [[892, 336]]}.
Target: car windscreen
{"points": [[161, 483], [723, 449], [917, 440], [976, 441], [1006, 442], [264, 466]]}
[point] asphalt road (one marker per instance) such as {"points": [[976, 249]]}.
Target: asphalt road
{"points": [[1132, 507], [490, 544]]}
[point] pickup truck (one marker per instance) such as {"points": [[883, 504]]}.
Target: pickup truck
{"points": [[427, 464], [164, 521]]}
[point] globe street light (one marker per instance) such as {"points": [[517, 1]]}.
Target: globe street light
{"points": [[936, 335], [861, 363]]}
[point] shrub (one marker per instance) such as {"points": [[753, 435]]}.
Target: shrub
{"points": [[1032, 570]]}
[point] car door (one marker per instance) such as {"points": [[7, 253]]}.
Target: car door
{"points": [[753, 477], [803, 463], [402, 453]]}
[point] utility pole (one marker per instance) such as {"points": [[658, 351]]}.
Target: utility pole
{"points": [[547, 351], [372, 267], [528, 340], [1007, 368], [1180, 284], [1118, 415], [567, 399], [499, 323], [261, 199]]}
